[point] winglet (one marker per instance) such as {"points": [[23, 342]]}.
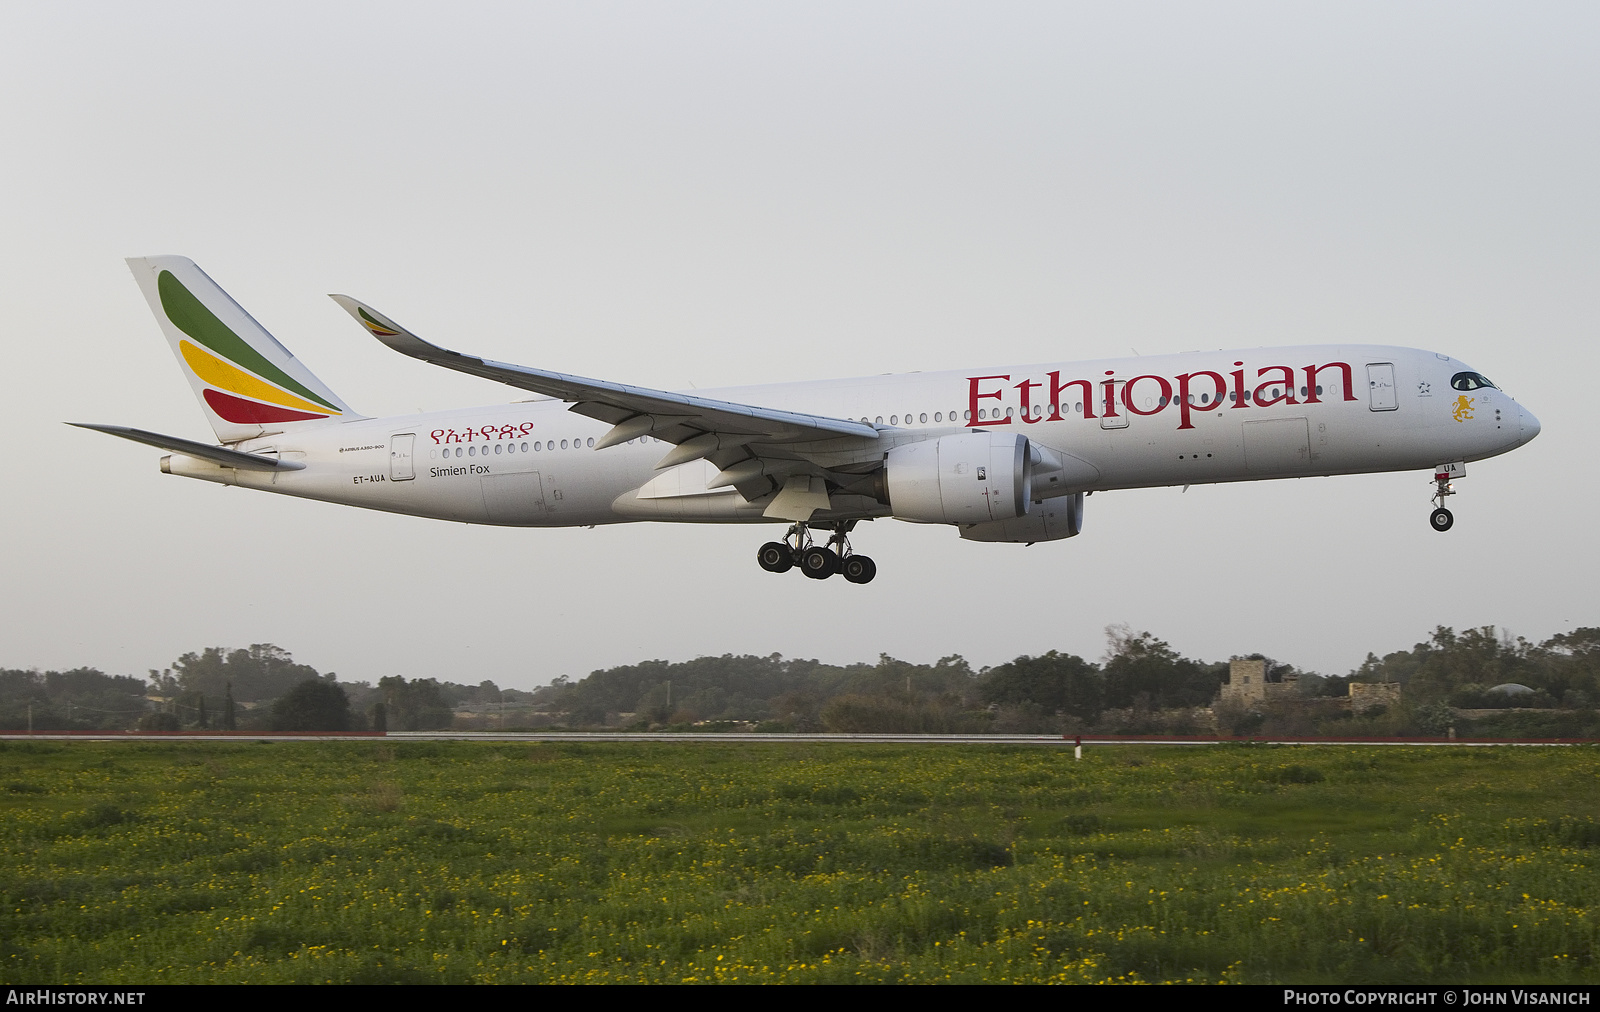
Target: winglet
{"points": [[390, 332]]}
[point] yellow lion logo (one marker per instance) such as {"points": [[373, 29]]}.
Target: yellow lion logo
{"points": [[1463, 409]]}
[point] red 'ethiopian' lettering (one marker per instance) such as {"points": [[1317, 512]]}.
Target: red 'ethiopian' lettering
{"points": [[1194, 393], [1027, 407], [1312, 371], [973, 397], [1185, 398], [1127, 394], [1287, 381], [1057, 388]]}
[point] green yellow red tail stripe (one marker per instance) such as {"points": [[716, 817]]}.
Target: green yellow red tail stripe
{"points": [[248, 389], [226, 376]]}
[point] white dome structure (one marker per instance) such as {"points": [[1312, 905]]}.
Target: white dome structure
{"points": [[1511, 689]]}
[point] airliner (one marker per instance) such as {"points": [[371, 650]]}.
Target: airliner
{"points": [[1003, 454]]}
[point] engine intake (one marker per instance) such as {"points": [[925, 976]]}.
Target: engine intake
{"points": [[970, 478]]}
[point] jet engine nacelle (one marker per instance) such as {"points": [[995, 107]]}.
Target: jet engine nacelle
{"points": [[970, 478], [1050, 520]]}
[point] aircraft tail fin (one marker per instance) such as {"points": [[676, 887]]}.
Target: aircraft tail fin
{"points": [[247, 383]]}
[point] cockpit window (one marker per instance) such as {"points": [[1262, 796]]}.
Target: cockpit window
{"points": [[1469, 381]]}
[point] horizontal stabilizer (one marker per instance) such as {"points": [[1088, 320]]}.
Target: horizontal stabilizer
{"points": [[205, 451]]}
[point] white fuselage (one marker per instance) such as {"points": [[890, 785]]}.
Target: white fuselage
{"points": [[1172, 420]]}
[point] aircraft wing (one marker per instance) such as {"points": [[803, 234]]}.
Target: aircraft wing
{"points": [[736, 437]]}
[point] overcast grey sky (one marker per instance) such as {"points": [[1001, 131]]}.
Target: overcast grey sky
{"points": [[676, 194]]}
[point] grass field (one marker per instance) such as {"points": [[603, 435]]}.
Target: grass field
{"points": [[441, 861]]}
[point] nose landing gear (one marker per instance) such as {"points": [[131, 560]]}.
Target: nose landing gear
{"points": [[1442, 519], [817, 562]]}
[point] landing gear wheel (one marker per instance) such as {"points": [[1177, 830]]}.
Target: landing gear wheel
{"points": [[819, 563], [775, 557], [858, 569], [1442, 519]]}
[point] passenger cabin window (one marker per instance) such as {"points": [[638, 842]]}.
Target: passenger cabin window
{"points": [[1470, 381]]}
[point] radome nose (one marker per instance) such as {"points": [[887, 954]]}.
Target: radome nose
{"points": [[1530, 424]]}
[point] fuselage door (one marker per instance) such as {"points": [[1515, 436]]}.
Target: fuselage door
{"points": [[400, 447], [1380, 383]]}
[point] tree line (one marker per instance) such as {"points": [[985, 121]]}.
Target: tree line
{"points": [[1140, 685], [259, 688]]}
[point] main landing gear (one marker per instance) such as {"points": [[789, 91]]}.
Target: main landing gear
{"points": [[797, 550], [1441, 519]]}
